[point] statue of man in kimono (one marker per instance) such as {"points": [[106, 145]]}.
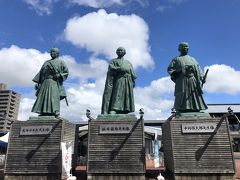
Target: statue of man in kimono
{"points": [[188, 77], [118, 93], [49, 86]]}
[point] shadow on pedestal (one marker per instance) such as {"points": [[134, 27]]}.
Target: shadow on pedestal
{"points": [[34, 150], [198, 147], [116, 148]]}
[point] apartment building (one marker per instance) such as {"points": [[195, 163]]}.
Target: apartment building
{"points": [[9, 106]]}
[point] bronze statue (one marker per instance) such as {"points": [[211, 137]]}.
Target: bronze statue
{"points": [[118, 93], [49, 87], [188, 77]]}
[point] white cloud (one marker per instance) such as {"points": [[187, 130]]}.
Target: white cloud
{"points": [[102, 33], [85, 96], [143, 3], [163, 8], [19, 65], [156, 99], [42, 7], [159, 87], [45, 7], [107, 3], [97, 3], [176, 1], [25, 109], [80, 97], [169, 4], [96, 68], [222, 79]]}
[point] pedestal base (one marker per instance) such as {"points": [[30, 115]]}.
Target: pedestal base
{"points": [[198, 148], [34, 149], [116, 148]]}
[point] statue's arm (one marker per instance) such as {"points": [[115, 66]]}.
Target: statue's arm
{"points": [[113, 69], [39, 76], [60, 71], [38, 80], [173, 70], [199, 75], [107, 92], [64, 71], [199, 72], [133, 75]]}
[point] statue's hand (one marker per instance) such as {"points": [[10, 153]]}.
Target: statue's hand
{"points": [[173, 78], [118, 69], [36, 87], [203, 81], [56, 77]]}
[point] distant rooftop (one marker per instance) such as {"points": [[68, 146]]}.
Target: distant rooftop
{"points": [[223, 108], [154, 123], [3, 86]]}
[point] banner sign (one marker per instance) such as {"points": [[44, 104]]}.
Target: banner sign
{"points": [[66, 158], [156, 153]]}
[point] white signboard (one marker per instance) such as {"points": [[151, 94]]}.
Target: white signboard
{"points": [[198, 127], [115, 128], [35, 130]]}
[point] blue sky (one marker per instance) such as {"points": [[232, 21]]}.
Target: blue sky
{"points": [[87, 32]]}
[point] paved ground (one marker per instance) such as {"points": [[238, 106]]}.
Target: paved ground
{"points": [[237, 165]]}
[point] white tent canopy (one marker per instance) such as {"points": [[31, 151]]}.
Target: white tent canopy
{"points": [[5, 138]]}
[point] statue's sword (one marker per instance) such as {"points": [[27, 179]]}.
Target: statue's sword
{"points": [[205, 77]]}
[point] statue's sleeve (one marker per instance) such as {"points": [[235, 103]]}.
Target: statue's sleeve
{"points": [[107, 92], [36, 78], [173, 69], [199, 70], [198, 75], [64, 71], [112, 68], [39, 76], [134, 76]]}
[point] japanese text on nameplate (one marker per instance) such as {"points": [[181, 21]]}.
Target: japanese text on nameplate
{"points": [[198, 127]]}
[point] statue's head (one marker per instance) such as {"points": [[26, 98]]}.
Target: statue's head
{"points": [[183, 48], [54, 52], [120, 52]]}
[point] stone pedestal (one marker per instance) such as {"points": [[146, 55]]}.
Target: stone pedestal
{"points": [[198, 147], [34, 149], [116, 148]]}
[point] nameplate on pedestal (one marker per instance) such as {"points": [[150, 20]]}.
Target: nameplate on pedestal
{"points": [[35, 130], [198, 127], [115, 128]]}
